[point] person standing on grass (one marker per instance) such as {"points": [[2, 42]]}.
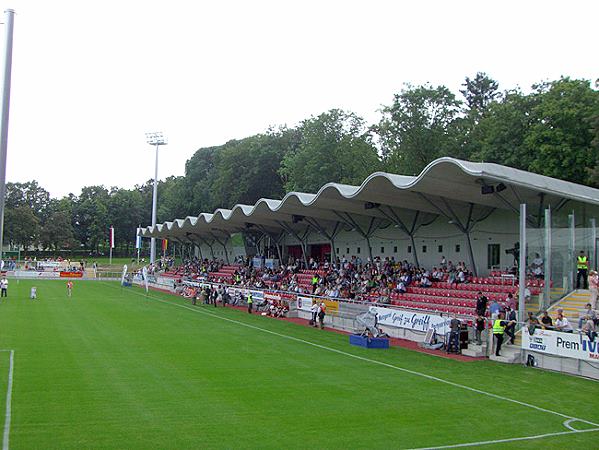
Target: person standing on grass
{"points": [[69, 288], [250, 303], [321, 313], [4, 287], [314, 312], [33, 293]]}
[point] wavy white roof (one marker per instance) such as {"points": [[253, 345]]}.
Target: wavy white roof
{"points": [[446, 184]]}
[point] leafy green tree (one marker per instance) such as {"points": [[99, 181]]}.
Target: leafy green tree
{"points": [[200, 172], [29, 194], [21, 226], [248, 170], [418, 127], [561, 135], [91, 217], [125, 214], [57, 232], [479, 93], [501, 133], [336, 146]]}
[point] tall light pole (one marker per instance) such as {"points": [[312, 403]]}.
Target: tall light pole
{"points": [[6, 75], [156, 139]]}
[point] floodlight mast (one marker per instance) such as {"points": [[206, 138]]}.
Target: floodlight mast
{"points": [[156, 139], [6, 76]]}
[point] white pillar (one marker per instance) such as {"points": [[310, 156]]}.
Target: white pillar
{"points": [[522, 265], [6, 78], [547, 262], [154, 202]]}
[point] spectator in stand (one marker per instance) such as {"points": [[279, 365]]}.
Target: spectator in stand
{"points": [[494, 309], [589, 328], [594, 286], [561, 323], [511, 301], [546, 321], [536, 267], [586, 314], [481, 304], [532, 323]]}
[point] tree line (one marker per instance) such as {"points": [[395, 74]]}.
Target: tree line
{"points": [[552, 130]]}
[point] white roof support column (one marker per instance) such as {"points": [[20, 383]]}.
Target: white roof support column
{"points": [[302, 239], [372, 226], [223, 244]]}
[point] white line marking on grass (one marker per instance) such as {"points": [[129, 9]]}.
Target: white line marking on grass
{"points": [[501, 441], [373, 361], [570, 427], [5, 437]]}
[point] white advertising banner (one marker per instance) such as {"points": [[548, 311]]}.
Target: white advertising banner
{"points": [[411, 320], [304, 303], [34, 274], [569, 345]]}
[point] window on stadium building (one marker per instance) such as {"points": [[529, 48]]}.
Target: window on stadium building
{"points": [[424, 249], [440, 249], [457, 248]]}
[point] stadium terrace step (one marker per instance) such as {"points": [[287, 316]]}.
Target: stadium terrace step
{"points": [[510, 354], [475, 350], [572, 305]]}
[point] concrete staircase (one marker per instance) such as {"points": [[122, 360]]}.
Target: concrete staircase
{"points": [[475, 350], [572, 305], [510, 354]]}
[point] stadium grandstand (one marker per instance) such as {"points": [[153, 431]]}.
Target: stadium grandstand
{"points": [[433, 243]]}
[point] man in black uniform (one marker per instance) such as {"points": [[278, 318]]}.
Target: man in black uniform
{"points": [[481, 304]]}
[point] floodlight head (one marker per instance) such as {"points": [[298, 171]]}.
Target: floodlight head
{"points": [[156, 138]]}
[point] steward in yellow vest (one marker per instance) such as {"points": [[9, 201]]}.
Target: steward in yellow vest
{"points": [[582, 266], [499, 326]]}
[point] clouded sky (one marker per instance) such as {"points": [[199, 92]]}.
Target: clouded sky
{"points": [[90, 77]]}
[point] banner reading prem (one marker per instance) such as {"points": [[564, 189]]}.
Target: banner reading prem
{"points": [[570, 345], [411, 320]]}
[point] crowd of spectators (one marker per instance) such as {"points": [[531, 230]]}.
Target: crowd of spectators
{"points": [[351, 278]]}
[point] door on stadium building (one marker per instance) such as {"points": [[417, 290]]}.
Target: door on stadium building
{"points": [[493, 256], [321, 252], [294, 251]]}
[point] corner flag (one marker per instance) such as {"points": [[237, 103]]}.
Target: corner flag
{"points": [[111, 236]]}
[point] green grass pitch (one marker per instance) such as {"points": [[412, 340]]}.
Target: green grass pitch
{"points": [[112, 368]]}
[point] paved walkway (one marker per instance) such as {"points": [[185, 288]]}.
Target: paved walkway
{"points": [[395, 342]]}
